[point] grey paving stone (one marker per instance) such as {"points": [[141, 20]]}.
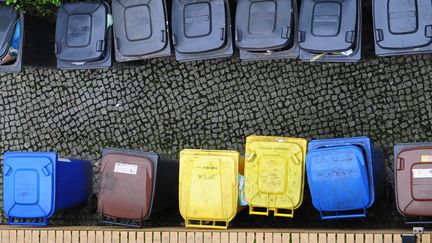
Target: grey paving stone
{"points": [[165, 106]]}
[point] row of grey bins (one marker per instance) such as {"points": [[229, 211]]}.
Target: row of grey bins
{"points": [[313, 30]]}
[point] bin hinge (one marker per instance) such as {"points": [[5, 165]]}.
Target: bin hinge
{"points": [[285, 32], [237, 35], [174, 40], [301, 36], [222, 33], [350, 36], [400, 164], [7, 170], [428, 31], [118, 43], [379, 35], [46, 170], [163, 35], [100, 45], [57, 48]]}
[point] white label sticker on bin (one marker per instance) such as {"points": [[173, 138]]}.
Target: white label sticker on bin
{"points": [[426, 158], [125, 168], [422, 173]]}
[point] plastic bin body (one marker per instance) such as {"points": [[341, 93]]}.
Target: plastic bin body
{"points": [[274, 174], [83, 37], [201, 29], [11, 24], [402, 27], [413, 178], [140, 29], [263, 25], [208, 187], [129, 191], [291, 50], [74, 183], [38, 184], [345, 176], [330, 30]]}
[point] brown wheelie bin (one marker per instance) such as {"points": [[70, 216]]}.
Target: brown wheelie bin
{"points": [[413, 181], [135, 185]]}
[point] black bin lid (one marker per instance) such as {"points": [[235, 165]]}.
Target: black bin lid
{"points": [[403, 24], [263, 25], [328, 25], [8, 17], [81, 31], [139, 26], [199, 25]]}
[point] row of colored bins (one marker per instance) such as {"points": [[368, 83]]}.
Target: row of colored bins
{"points": [[345, 177], [314, 30], [212, 188], [134, 185]]}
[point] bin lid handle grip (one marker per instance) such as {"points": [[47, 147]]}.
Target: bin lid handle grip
{"points": [[401, 164], [343, 216]]}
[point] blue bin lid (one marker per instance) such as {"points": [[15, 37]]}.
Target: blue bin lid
{"points": [[29, 184], [362, 142], [338, 178]]}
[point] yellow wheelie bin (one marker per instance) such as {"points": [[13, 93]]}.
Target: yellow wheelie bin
{"points": [[209, 187], [274, 174]]}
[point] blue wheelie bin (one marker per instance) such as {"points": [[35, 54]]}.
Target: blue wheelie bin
{"points": [[345, 176], [38, 184]]}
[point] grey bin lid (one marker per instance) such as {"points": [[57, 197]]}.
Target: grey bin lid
{"points": [[263, 25], [198, 26], [327, 25], [8, 17], [403, 24], [139, 26], [81, 31]]}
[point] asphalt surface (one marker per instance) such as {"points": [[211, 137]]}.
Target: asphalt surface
{"points": [[165, 106]]}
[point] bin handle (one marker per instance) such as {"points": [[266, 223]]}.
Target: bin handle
{"points": [[22, 222], [116, 221], [289, 215], [342, 216], [401, 164], [276, 213], [252, 212], [418, 217], [420, 221]]}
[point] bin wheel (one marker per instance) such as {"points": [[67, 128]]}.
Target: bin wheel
{"points": [[92, 203]]}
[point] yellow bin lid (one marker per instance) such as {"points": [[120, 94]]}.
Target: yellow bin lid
{"points": [[274, 174], [208, 187]]}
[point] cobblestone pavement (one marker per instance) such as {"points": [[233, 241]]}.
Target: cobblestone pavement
{"points": [[166, 106]]}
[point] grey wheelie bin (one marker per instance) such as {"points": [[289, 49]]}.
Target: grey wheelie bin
{"points": [[330, 30], [83, 35]]}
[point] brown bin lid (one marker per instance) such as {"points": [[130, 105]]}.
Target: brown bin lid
{"points": [[414, 181], [126, 186]]}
